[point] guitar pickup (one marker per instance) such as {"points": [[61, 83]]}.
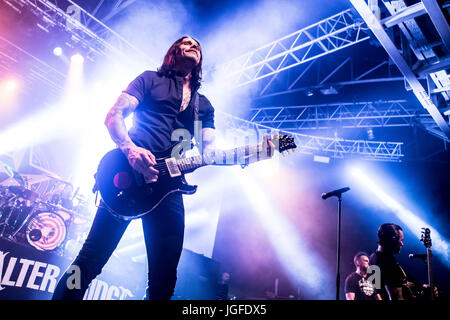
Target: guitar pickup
{"points": [[172, 166]]}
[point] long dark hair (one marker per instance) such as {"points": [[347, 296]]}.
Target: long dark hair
{"points": [[169, 62]]}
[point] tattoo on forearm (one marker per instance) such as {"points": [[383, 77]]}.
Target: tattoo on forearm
{"points": [[124, 100], [114, 121]]}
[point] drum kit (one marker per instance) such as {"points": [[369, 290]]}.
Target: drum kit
{"points": [[51, 222]]}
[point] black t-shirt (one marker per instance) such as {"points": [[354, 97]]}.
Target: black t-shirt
{"points": [[391, 272], [363, 289], [221, 291], [158, 113]]}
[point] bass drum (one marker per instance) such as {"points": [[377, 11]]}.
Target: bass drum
{"points": [[46, 231]]}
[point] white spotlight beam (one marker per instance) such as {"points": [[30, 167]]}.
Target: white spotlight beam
{"points": [[299, 261], [56, 121], [408, 218], [324, 37], [333, 147]]}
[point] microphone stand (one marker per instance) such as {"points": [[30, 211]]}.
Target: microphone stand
{"points": [[338, 193], [338, 276]]}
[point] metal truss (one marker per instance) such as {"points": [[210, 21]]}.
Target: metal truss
{"points": [[344, 71], [118, 6], [430, 64], [74, 21], [33, 70], [339, 115], [324, 37], [323, 146], [417, 41]]}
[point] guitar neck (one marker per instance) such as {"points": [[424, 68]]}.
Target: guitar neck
{"points": [[241, 155], [430, 272]]}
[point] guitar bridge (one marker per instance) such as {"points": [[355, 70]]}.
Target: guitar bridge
{"points": [[172, 166]]}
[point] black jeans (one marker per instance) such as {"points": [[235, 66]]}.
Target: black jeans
{"points": [[163, 234]]}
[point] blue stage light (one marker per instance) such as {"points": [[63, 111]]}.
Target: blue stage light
{"points": [[407, 217]]}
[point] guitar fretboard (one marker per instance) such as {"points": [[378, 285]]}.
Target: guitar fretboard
{"points": [[240, 155]]}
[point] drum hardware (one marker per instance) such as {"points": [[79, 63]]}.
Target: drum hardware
{"points": [[14, 204], [24, 193], [34, 208], [5, 196], [42, 230], [5, 224], [44, 222]]}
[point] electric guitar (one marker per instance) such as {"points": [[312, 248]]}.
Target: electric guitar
{"points": [[414, 290], [426, 239], [126, 194]]}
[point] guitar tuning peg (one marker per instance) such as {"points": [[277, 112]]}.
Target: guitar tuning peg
{"points": [[283, 154], [293, 150]]}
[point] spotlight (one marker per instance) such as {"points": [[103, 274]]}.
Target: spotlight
{"points": [[370, 134], [11, 85], [329, 91], [309, 93], [321, 159], [58, 51], [77, 59]]}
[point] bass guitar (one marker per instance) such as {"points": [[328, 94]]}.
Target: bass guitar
{"points": [[126, 194], [426, 239], [413, 290]]}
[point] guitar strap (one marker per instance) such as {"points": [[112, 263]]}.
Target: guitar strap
{"points": [[196, 116], [405, 277], [196, 98]]}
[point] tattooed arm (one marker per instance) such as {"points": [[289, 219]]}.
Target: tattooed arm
{"points": [[140, 159]]}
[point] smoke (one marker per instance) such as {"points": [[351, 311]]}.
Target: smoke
{"points": [[250, 27], [237, 32], [151, 28]]}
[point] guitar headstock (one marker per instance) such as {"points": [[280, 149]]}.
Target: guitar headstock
{"points": [[425, 237], [284, 142]]}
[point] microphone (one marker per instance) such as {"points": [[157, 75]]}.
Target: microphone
{"points": [[336, 193], [418, 256]]}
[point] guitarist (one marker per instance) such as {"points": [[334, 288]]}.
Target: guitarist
{"points": [[396, 284], [162, 102]]}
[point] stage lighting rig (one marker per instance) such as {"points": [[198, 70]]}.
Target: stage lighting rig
{"points": [[51, 14]]}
